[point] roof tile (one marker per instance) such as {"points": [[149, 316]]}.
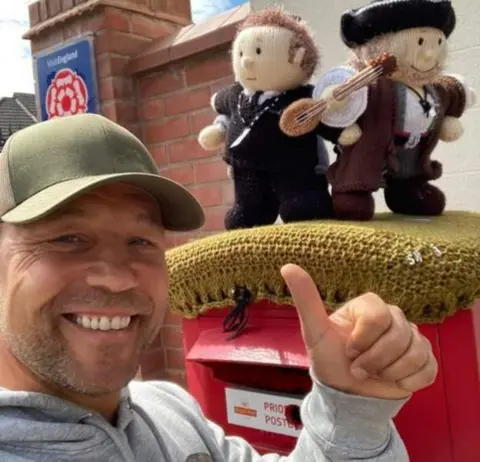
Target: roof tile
{"points": [[214, 32], [16, 113]]}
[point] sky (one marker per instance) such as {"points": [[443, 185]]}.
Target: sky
{"points": [[16, 74]]}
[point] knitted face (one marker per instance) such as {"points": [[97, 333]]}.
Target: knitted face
{"points": [[421, 53], [264, 60]]}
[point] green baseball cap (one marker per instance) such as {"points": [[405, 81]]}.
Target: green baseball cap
{"points": [[49, 163]]}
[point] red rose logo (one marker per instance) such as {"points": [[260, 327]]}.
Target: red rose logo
{"points": [[66, 95]]}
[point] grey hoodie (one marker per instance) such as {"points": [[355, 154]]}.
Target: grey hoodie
{"points": [[160, 422]]}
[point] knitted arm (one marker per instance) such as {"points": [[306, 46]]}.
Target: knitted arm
{"points": [[338, 123], [456, 98], [341, 113], [225, 101], [222, 121], [455, 95], [213, 136]]}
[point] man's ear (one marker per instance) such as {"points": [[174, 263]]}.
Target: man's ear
{"points": [[299, 55]]}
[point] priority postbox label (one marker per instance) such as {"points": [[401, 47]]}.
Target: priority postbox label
{"points": [[263, 411]]}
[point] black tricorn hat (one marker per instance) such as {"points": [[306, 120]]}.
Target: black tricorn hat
{"points": [[360, 25]]}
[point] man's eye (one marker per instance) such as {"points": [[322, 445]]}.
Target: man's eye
{"points": [[141, 242], [67, 239]]}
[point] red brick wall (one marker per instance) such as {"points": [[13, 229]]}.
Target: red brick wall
{"points": [[174, 105]]}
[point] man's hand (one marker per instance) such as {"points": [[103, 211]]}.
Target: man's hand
{"points": [[366, 348]]}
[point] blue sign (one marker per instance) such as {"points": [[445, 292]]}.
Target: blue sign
{"points": [[66, 79]]}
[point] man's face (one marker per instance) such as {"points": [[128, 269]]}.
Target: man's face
{"points": [[85, 290], [262, 60]]}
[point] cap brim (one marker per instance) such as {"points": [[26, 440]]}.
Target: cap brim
{"points": [[180, 210]]}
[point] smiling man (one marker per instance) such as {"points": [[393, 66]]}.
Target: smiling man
{"points": [[84, 291]]}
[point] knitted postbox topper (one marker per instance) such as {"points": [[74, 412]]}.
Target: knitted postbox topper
{"points": [[428, 267]]}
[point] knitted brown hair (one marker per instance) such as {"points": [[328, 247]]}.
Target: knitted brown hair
{"points": [[276, 17]]}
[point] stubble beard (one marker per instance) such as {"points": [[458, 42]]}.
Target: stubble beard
{"points": [[46, 353], [47, 356]]}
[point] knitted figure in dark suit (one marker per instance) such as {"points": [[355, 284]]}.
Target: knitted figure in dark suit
{"points": [[274, 56]]}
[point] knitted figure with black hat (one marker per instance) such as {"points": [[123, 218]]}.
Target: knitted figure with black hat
{"points": [[405, 115], [273, 58]]}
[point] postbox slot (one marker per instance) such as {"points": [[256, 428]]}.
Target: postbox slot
{"points": [[264, 358], [268, 378], [278, 346]]}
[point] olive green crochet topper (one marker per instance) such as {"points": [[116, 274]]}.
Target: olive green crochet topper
{"points": [[430, 267]]}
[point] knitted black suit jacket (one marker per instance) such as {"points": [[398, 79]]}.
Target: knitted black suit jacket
{"points": [[266, 147]]}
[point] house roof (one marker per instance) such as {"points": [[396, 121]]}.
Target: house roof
{"points": [[209, 34], [16, 112]]}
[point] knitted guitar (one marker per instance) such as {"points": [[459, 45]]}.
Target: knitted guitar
{"points": [[304, 115]]}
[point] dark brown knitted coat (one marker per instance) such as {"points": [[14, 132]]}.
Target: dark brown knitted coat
{"points": [[360, 167]]}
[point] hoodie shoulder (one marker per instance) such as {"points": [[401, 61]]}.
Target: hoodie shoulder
{"points": [[161, 393]]}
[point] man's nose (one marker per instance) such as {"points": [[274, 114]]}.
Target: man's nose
{"points": [[114, 276], [247, 63]]}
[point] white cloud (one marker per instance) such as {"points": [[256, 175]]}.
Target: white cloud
{"points": [[202, 9], [17, 73]]}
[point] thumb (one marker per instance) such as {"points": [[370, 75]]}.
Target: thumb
{"points": [[314, 319]]}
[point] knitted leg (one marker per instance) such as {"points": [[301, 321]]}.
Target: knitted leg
{"points": [[255, 202], [358, 205], [302, 196], [414, 196]]}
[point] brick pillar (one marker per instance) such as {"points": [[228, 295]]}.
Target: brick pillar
{"points": [[174, 105], [121, 28], [174, 91]]}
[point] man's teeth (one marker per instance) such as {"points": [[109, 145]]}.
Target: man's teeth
{"points": [[103, 322]]}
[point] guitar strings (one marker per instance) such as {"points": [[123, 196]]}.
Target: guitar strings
{"points": [[353, 85]]}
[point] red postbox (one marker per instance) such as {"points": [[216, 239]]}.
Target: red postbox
{"points": [[252, 384]]}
